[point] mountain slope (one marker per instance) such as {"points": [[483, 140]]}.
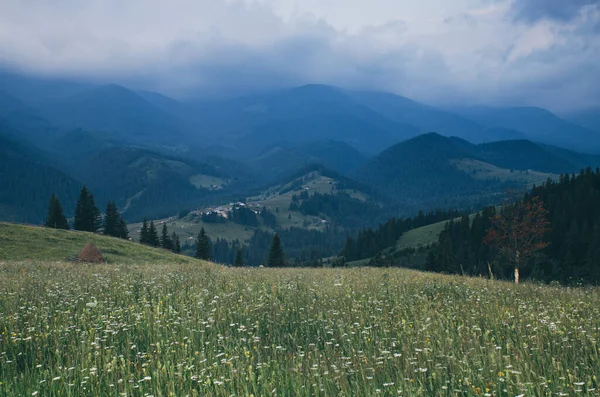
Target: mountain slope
{"points": [[301, 115], [147, 183], [588, 118], [526, 155], [336, 156], [419, 174], [115, 110], [538, 124], [26, 182], [15, 115], [426, 118]]}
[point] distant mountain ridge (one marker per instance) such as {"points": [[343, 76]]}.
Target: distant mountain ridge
{"points": [[433, 171]]}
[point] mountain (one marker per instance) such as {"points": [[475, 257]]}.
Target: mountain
{"points": [[419, 174], [34, 89], [336, 156], [27, 181], [537, 124], [432, 171], [115, 110], [588, 118], [150, 184], [526, 155], [15, 115], [301, 115], [426, 118]]}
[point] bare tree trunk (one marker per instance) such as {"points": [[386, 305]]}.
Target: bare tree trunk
{"points": [[517, 260]]}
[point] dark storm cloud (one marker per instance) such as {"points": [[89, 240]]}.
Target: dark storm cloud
{"points": [[475, 53]]}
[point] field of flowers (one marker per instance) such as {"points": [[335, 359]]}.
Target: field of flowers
{"points": [[200, 330]]}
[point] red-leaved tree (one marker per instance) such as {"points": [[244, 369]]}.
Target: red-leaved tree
{"points": [[518, 233]]}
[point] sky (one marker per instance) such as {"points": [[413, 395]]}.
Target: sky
{"points": [[442, 52]]}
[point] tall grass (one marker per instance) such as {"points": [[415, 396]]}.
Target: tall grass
{"points": [[183, 330]]}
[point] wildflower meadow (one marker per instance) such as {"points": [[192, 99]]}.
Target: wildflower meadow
{"points": [[202, 330]]}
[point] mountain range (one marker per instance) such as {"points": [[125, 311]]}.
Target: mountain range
{"points": [[155, 154]]}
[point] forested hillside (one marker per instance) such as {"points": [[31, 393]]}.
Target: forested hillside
{"points": [[573, 253], [27, 181]]}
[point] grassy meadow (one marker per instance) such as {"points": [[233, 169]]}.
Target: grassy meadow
{"points": [[202, 330], [29, 243]]}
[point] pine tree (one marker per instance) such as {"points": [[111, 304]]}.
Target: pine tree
{"points": [[112, 221], [87, 216], [95, 215], [176, 244], [276, 255], [56, 218], [144, 239], [203, 246], [81, 221], [123, 231], [153, 239], [165, 240], [239, 258]]}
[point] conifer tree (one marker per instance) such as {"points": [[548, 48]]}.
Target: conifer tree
{"points": [[87, 216], [123, 231], [176, 244], [153, 239], [239, 258], [56, 218], [112, 221], [165, 240], [81, 221], [276, 255], [144, 239], [203, 247], [95, 215]]}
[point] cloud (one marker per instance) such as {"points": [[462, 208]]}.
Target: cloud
{"points": [[559, 10], [473, 52]]}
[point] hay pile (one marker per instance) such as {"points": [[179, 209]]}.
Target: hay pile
{"points": [[90, 254]]}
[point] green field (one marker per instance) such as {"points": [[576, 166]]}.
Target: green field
{"points": [[203, 330], [28, 243], [481, 170]]}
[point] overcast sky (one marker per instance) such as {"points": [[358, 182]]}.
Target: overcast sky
{"points": [[529, 52]]}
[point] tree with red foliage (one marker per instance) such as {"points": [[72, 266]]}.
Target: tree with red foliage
{"points": [[518, 233]]}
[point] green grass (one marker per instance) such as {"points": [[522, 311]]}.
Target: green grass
{"points": [[420, 237], [202, 330], [29, 243], [480, 170]]}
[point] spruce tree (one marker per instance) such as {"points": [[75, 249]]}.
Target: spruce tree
{"points": [[165, 240], [81, 221], [144, 239], [56, 218], [95, 215], [203, 246], [239, 258], [176, 244], [276, 255], [153, 239], [87, 216], [123, 231], [112, 221]]}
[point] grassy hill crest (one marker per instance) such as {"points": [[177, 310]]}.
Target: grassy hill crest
{"points": [[31, 243]]}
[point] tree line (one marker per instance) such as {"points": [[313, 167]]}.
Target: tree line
{"points": [[88, 217], [236, 254], [370, 241], [551, 234]]}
